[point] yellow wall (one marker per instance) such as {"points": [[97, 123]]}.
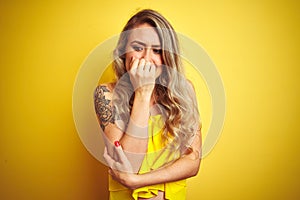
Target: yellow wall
{"points": [[253, 43]]}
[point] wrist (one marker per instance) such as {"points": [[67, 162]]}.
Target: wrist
{"points": [[143, 95]]}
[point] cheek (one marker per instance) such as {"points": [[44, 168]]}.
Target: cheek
{"points": [[127, 60], [158, 60]]}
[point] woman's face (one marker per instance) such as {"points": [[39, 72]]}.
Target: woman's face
{"points": [[143, 43]]}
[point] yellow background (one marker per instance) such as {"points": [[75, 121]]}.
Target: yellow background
{"points": [[254, 44]]}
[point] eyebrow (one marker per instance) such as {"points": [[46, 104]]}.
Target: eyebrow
{"points": [[143, 44]]}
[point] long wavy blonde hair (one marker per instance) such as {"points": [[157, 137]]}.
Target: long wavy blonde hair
{"points": [[172, 91]]}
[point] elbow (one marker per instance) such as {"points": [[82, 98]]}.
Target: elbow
{"points": [[195, 168], [194, 163], [195, 171]]}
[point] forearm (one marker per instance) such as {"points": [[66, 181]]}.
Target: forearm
{"points": [[183, 168], [135, 141]]}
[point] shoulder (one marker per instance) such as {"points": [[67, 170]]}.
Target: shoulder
{"points": [[103, 105], [105, 87], [104, 90]]}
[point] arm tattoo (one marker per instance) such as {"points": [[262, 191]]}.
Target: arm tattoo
{"points": [[104, 110]]}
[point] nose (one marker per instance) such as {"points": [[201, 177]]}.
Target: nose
{"points": [[147, 54]]}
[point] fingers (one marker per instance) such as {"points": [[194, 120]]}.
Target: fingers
{"points": [[123, 160], [152, 69], [110, 162], [134, 65], [142, 74], [147, 66], [122, 156], [120, 161], [111, 172], [141, 66], [114, 174]]}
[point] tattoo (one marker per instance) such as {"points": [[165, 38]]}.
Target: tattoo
{"points": [[104, 110]]}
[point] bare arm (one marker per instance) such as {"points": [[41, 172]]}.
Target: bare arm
{"points": [[105, 113], [135, 142], [185, 167]]}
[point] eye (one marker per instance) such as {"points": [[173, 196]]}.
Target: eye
{"points": [[137, 48], [157, 51]]}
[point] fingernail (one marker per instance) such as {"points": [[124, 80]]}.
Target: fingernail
{"points": [[117, 143]]}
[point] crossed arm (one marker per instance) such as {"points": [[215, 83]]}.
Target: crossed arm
{"points": [[184, 167]]}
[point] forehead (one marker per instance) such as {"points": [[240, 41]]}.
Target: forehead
{"points": [[144, 33]]}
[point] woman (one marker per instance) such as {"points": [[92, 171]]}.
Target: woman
{"points": [[149, 116]]}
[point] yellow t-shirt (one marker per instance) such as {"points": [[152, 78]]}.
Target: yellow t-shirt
{"points": [[156, 157]]}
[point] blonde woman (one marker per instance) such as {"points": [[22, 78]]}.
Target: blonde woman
{"points": [[149, 116]]}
